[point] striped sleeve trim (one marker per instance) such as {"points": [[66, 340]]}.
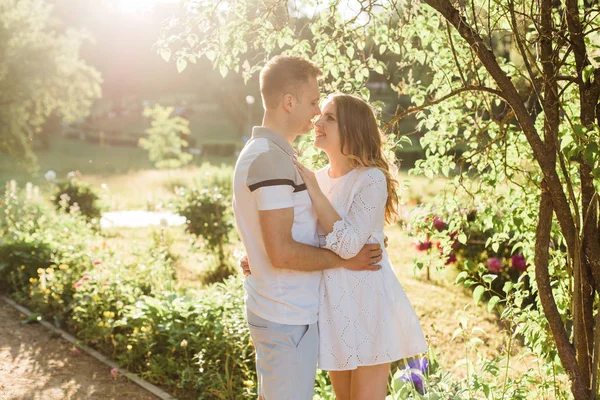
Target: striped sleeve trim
{"points": [[277, 182]]}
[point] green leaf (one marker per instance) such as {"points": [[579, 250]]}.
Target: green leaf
{"points": [[358, 75], [588, 73], [462, 239], [456, 332], [469, 265], [350, 51], [492, 303], [478, 293], [489, 278], [469, 282], [477, 329], [211, 55], [192, 39], [223, 70], [591, 151], [461, 277], [566, 141], [181, 64], [382, 49], [165, 53], [507, 287], [579, 130], [495, 246]]}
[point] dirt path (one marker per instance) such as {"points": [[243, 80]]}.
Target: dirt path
{"points": [[35, 365]]}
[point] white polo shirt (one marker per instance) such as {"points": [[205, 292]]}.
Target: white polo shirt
{"points": [[265, 178]]}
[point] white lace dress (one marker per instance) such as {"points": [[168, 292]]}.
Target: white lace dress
{"points": [[365, 318]]}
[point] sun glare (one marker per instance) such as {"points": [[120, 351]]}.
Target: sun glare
{"points": [[137, 6]]}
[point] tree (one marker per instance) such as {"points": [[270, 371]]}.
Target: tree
{"points": [[164, 142], [510, 98], [41, 74]]}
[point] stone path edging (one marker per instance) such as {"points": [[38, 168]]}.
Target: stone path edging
{"points": [[132, 377]]}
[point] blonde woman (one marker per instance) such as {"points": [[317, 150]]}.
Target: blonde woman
{"points": [[365, 319]]}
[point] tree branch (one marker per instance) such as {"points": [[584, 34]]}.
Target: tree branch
{"points": [[524, 53], [576, 36], [414, 109], [566, 350]]}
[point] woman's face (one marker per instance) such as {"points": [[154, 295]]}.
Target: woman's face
{"points": [[327, 132]]}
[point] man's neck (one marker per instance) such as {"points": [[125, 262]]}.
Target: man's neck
{"points": [[279, 126]]}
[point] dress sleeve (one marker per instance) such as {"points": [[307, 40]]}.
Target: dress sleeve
{"points": [[364, 217]]}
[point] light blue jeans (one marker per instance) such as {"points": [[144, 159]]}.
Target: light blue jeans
{"points": [[286, 358]]}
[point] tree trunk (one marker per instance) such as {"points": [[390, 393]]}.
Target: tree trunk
{"points": [[566, 351]]}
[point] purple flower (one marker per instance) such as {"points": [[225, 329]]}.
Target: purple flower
{"points": [[415, 372], [519, 263], [494, 265]]}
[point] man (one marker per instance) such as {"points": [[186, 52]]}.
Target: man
{"points": [[278, 227]]}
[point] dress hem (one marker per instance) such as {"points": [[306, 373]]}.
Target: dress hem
{"points": [[412, 354]]}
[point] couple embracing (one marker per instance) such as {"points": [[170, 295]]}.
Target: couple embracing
{"points": [[321, 288]]}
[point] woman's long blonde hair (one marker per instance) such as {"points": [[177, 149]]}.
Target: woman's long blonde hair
{"points": [[361, 137]]}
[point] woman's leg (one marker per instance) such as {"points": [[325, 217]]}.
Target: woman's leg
{"points": [[370, 383], [341, 384]]}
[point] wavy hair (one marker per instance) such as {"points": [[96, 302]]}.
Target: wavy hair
{"points": [[361, 137]]}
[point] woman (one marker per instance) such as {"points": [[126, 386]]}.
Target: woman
{"points": [[365, 319]]}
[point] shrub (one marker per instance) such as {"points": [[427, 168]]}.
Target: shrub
{"points": [[482, 256], [74, 194], [208, 213], [34, 237]]}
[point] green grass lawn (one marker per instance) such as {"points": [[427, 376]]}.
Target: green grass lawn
{"points": [[120, 165]]}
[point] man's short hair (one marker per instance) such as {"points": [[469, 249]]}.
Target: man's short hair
{"points": [[285, 74]]}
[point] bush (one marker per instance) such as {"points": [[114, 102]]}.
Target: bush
{"points": [[33, 237], [208, 213], [482, 256], [78, 195]]}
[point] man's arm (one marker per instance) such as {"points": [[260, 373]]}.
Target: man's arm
{"points": [[285, 253]]}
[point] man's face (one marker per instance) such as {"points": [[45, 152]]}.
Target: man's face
{"points": [[306, 107]]}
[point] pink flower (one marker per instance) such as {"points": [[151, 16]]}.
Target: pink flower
{"points": [[439, 223], [451, 259], [423, 246], [75, 351], [519, 263], [80, 282], [494, 265], [114, 373]]}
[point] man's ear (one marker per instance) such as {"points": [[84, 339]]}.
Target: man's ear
{"points": [[288, 102]]}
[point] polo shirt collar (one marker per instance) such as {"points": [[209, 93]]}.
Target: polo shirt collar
{"points": [[262, 132]]}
